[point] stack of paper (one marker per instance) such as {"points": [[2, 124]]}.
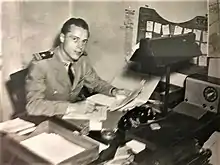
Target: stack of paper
{"points": [[52, 147], [15, 125]]}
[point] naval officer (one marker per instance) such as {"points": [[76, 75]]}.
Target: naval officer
{"points": [[56, 78]]}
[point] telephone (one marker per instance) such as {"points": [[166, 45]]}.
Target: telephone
{"points": [[135, 117]]}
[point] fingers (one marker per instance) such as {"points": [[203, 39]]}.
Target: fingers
{"points": [[123, 92], [90, 107]]}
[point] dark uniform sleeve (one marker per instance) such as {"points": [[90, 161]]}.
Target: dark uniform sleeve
{"points": [[94, 83], [35, 85]]}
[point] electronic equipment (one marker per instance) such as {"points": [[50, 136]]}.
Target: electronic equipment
{"points": [[203, 91], [135, 117], [201, 96], [156, 53]]}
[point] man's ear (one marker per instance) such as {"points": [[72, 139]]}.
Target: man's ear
{"points": [[62, 37]]}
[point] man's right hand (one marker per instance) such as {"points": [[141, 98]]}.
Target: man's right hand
{"points": [[82, 107]]}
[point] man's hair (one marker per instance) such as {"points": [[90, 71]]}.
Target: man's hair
{"points": [[74, 21]]}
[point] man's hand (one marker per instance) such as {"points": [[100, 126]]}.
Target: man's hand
{"points": [[81, 107], [121, 92]]}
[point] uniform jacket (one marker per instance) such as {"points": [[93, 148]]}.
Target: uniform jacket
{"points": [[48, 87]]}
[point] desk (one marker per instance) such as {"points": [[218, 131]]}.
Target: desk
{"points": [[176, 130], [110, 123], [13, 145]]}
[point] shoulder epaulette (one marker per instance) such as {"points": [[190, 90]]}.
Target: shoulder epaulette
{"points": [[43, 55]]}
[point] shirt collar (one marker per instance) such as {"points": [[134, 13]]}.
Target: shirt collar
{"points": [[64, 61]]}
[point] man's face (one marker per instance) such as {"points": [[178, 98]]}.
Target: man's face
{"points": [[74, 42]]}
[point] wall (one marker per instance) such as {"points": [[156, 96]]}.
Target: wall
{"points": [[1, 84], [27, 27], [30, 27], [106, 45], [214, 17], [214, 38]]}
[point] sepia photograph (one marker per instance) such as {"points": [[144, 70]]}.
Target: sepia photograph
{"points": [[110, 82]]}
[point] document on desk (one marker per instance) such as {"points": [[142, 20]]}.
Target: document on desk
{"points": [[15, 125], [136, 146], [98, 114]]}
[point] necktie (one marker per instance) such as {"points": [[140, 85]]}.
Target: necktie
{"points": [[70, 73]]}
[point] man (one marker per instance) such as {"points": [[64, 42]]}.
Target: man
{"points": [[56, 77]]}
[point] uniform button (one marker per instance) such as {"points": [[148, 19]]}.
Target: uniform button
{"points": [[55, 92]]}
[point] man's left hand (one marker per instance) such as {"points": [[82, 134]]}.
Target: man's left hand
{"points": [[121, 92]]}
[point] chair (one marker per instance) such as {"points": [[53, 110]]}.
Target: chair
{"points": [[16, 89]]}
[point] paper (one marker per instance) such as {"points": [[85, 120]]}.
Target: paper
{"points": [[122, 150], [95, 125], [202, 61], [155, 126], [102, 147], [204, 48], [148, 88], [135, 103], [213, 140], [198, 34], [99, 113], [136, 146], [186, 30], [26, 131], [150, 26], [52, 147], [121, 160], [145, 94], [166, 30], [204, 36], [101, 99], [148, 35], [127, 80], [157, 27], [178, 30], [15, 125], [130, 80], [122, 156]]}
